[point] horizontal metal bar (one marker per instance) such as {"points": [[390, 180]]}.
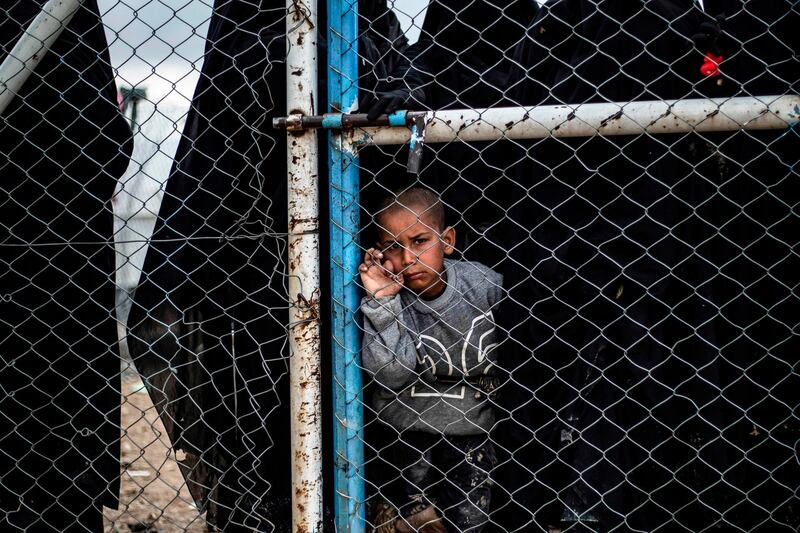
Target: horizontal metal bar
{"points": [[586, 120], [338, 121]]}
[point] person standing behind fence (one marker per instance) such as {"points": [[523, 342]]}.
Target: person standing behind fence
{"points": [[428, 339], [637, 304], [63, 146]]}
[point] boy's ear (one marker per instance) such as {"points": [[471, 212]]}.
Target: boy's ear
{"points": [[449, 239]]}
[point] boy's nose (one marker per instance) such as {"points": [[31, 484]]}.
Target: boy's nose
{"points": [[409, 257]]}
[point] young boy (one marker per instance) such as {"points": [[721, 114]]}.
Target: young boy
{"points": [[429, 336]]}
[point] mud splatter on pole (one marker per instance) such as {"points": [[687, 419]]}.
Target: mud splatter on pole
{"points": [[304, 325]]}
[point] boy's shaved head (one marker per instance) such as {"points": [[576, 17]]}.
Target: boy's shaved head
{"points": [[423, 201]]}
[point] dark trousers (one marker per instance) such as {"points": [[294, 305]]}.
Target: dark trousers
{"points": [[452, 473]]}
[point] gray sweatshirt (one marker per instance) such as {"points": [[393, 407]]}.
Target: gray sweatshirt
{"points": [[431, 358]]}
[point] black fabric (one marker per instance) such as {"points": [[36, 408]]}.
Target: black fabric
{"points": [[63, 145], [759, 45], [652, 382], [208, 323], [391, 75], [468, 46], [452, 473]]}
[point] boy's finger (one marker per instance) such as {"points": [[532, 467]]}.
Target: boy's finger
{"points": [[374, 255], [371, 258], [387, 265]]}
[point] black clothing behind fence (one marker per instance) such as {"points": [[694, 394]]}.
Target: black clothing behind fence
{"points": [[63, 145], [452, 473], [656, 365], [208, 322]]}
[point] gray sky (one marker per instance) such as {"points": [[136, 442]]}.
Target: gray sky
{"points": [[157, 43]]}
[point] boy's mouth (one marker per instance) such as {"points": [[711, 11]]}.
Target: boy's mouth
{"points": [[410, 276]]}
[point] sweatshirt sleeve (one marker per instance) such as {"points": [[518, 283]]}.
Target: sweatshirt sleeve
{"points": [[388, 352], [495, 289]]}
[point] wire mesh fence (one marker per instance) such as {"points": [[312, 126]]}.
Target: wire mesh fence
{"points": [[559, 324], [598, 333], [185, 430]]}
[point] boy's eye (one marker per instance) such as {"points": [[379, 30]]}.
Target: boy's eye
{"points": [[420, 240], [393, 246]]}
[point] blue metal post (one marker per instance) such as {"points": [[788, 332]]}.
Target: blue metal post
{"points": [[345, 258]]}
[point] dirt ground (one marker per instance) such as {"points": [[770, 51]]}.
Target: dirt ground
{"points": [[153, 495]]}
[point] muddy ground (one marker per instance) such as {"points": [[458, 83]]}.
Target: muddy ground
{"points": [[153, 495]]}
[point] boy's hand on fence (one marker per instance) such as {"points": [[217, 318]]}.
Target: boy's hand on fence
{"points": [[378, 278]]}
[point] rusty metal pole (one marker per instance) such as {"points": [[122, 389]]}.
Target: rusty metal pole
{"points": [[304, 291], [770, 112]]}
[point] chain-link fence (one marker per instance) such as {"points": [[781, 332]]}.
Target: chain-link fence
{"points": [[599, 331], [563, 290], [200, 230]]}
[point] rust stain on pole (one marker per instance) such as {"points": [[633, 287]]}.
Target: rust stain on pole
{"points": [[303, 269], [606, 118]]}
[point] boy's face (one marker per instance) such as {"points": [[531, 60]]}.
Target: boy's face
{"points": [[416, 248]]}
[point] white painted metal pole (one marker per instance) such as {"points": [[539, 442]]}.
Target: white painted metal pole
{"points": [[304, 278], [614, 118], [32, 45]]}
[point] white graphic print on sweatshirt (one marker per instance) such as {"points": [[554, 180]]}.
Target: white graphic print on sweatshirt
{"points": [[473, 357]]}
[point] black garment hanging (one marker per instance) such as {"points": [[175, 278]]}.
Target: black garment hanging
{"points": [[63, 146], [634, 262]]}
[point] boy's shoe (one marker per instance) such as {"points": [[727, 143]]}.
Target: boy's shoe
{"points": [[423, 521], [384, 516]]}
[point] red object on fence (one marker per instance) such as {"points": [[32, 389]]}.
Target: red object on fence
{"points": [[710, 67]]}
